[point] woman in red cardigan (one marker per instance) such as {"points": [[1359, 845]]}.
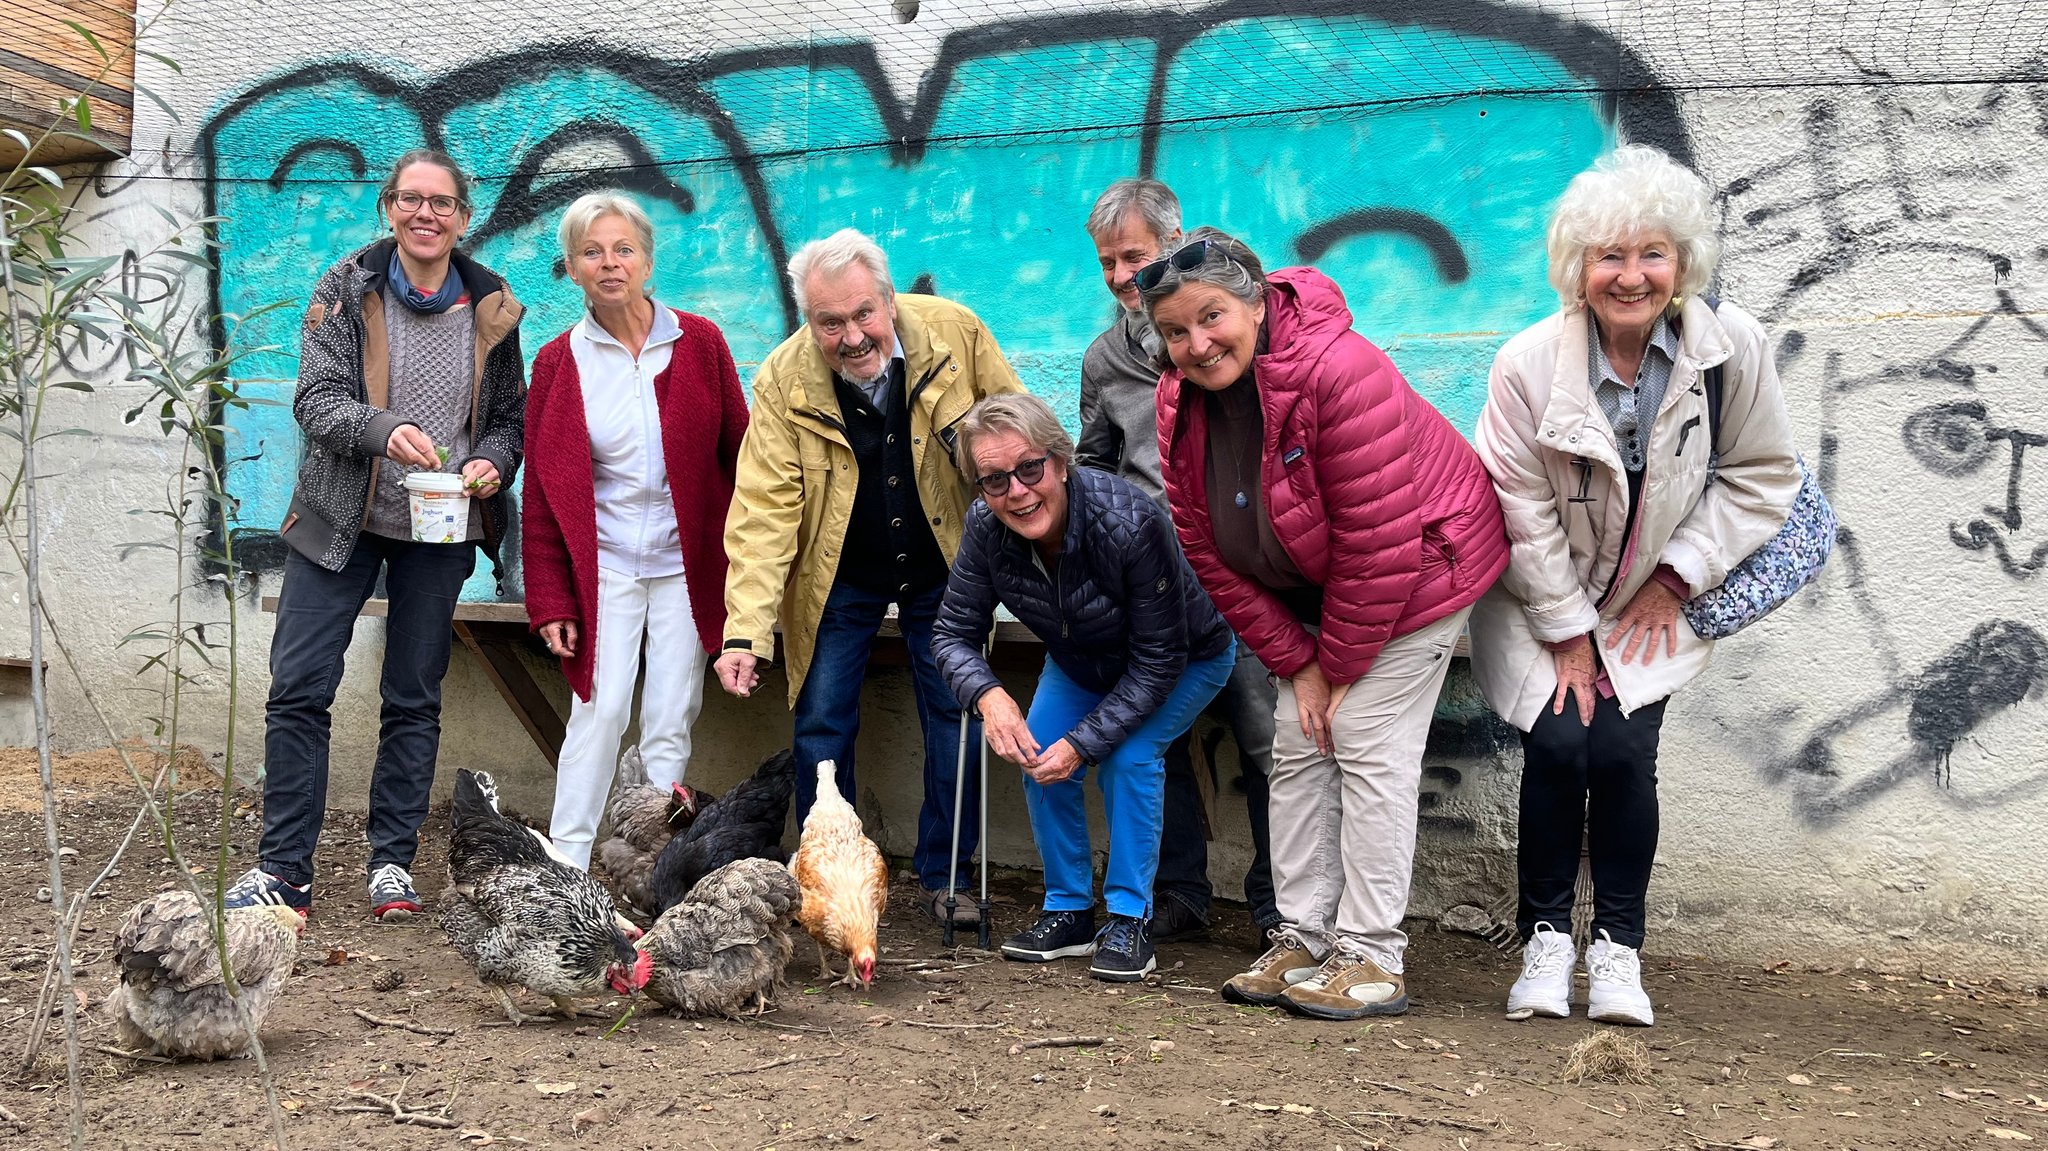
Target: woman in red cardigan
{"points": [[632, 433]]}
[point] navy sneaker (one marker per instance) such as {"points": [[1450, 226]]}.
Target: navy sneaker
{"points": [[1123, 952], [392, 899], [256, 887], [1056, 935]]}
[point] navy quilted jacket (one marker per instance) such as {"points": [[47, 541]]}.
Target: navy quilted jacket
{"points": [[1121, 613]]}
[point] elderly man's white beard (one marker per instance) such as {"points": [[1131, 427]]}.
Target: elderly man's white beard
{"points": [[869, 383]]}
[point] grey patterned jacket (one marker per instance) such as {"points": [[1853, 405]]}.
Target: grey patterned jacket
{"points": [[345, 387]]}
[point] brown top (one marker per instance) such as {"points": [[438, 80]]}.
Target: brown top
{"points": [[1237, 501]]}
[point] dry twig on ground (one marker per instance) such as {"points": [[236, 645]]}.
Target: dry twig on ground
{"points": [[1060, 1041], [378, 1104], [140, 1056], [772, 1064], [401, 1024]]}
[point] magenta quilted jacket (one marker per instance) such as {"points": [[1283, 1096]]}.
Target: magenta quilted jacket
{"points": [[1375, 496]]}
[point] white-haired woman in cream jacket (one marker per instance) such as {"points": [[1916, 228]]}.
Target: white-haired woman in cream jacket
{"points": [[1596, 432]]}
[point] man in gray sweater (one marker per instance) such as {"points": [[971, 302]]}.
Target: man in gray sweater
{"points": [[1132, 222]]}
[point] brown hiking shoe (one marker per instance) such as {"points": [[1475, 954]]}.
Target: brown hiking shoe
{"points": [[1284, 964], [1347, 987]]}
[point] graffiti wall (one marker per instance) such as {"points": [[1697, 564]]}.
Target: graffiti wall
{"points": [[1864, 774], [978, 190]]}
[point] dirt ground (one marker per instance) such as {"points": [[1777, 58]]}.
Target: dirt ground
{"points": [[938, 1053]]}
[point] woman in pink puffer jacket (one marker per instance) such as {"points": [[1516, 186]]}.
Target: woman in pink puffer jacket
{"points": [[1344, 529]]}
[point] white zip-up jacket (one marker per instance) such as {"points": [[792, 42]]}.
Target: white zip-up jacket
{"points": [[1576, 554], [636, 516]]}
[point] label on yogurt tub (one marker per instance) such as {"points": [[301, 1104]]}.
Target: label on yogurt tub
{"points": [[440, 507]]}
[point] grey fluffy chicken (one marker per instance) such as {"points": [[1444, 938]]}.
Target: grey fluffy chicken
{"points": [[643, 818], [724, 947], [523, 918], [172, 999]]}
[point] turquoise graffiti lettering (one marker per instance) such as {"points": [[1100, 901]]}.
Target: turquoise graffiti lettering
{"points": [[1414, 157]]}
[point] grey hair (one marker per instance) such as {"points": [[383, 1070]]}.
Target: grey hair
{"points": [[1633, 192], [1031, 418], [1154, 203], [591, 207], [1229, 265], [833, 255]]}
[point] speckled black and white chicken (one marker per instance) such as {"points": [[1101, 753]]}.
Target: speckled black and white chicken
{"points": [[172, 1000], [724, 947], [523, 918]]}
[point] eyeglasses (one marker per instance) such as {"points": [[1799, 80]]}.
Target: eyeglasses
{"points": [[998, 483], [1185, 260], [443, 206]]}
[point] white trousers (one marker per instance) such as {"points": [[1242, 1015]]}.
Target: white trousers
{"points": [[627, 610], [1344, 824]]}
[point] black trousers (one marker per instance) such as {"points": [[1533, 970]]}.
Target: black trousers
{"points": [[1597, 782], [316, 616]]}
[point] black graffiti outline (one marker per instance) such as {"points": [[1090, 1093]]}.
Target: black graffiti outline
{"points": [[1445, 253], [1630, 95]]}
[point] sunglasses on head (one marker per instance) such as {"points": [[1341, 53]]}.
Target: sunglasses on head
{"points": [[1027, 472], [1186, 259]]}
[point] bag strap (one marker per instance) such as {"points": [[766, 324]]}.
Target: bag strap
{"points": [[1714, 379]]}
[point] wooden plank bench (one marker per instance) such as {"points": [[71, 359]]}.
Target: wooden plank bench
{"points": [[494, 632]]}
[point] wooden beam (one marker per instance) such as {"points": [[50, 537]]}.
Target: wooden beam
{"points": [[495, 645]]}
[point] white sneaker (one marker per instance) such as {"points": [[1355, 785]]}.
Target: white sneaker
{"points": [[1615, 984], [1545, 987]]}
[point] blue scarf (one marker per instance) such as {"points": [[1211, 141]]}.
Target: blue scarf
{"points": [[430, 303]]}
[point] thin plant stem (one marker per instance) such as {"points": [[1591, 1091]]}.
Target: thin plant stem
{"points": [[38, 697]]}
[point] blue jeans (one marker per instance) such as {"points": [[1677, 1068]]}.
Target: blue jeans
{"points": [[1245, 706], [828, 718], [316, 616], [1133, 783]]}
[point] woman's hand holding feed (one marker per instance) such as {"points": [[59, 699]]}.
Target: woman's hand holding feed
{"points": [[480, 477], [410, 447], [1058, 763], [1003, 723]]}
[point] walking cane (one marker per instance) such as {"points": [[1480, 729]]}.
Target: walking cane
{"points": [[953, 856], [981, 935]]}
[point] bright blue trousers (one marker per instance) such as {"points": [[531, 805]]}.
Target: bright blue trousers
{"points": [[1133, 783]]}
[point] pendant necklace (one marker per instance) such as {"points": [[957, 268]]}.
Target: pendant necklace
{"points": [[1237, 470]]}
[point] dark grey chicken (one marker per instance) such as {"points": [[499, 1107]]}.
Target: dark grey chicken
{"points": [[643, 819], [744, 823], [724, 947]]}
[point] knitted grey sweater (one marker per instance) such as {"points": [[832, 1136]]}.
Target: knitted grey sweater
{"points": [[343, 402]]}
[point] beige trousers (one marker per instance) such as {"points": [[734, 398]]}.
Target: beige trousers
{"points": [[1344, 824]]}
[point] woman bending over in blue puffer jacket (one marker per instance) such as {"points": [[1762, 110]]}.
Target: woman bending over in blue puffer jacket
{"points": [[1134, 651]]}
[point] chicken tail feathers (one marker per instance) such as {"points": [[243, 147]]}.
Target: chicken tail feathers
{"points": [[476, 797], [483, 837]]}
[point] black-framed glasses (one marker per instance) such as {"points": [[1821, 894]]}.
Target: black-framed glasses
{"points": [[1187, 259], [443, 206], [1027, 472]]}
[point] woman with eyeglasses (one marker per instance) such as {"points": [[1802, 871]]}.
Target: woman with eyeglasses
{"points": [[409, 361], [633, 427], [1344, 529], [1134, 651]]}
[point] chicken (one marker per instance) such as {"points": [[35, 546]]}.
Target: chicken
{"points": [[523, 918], [724, 947], [744, 823], [844, 882], [644, 818], [172, 1000]]}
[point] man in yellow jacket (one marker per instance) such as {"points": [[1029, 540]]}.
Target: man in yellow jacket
{"points": [[847, 501]]}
